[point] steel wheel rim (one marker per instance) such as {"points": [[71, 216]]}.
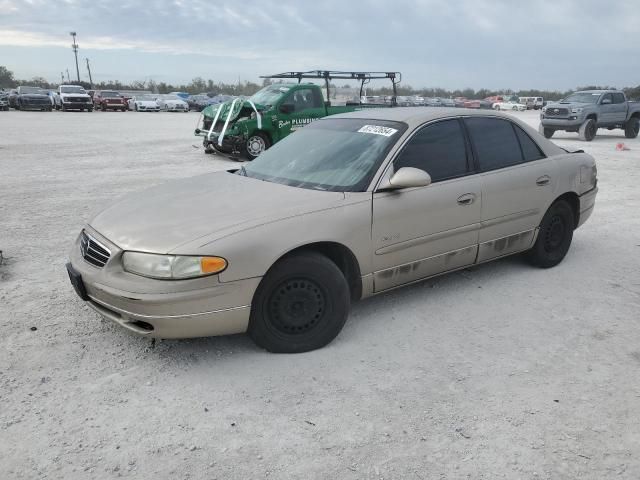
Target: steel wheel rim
{"points": [[297, 306], [256, 145], [554, 234]]}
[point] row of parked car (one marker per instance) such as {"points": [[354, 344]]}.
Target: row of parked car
{"points": [[498, 102], [74, 97]]}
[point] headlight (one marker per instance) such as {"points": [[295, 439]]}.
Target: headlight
{"points": [[171, 267], [577, 110]]}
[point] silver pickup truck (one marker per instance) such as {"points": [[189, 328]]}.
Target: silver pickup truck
{"points": [[585, 112]]}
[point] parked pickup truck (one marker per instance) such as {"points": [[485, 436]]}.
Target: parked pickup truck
{"points": [[585, 112], [248, 127], [74, 97]]}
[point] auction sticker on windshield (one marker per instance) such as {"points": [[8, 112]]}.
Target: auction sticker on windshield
{"points": [[378, 130]]}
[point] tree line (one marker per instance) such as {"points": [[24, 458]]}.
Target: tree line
{"points": [[200, 85]]}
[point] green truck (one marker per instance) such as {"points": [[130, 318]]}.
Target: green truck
{"points": [[247, 127]]}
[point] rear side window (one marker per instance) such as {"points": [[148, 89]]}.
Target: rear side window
{"points": [[438, 149], [495, 142], [530, 150]]}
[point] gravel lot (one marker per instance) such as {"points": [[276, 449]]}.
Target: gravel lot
{"points": [[500, 371]]}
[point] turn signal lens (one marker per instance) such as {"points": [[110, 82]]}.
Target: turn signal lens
{"points": [[212, 264]]}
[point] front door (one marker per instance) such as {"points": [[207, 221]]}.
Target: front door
{"points": [[420, 232], [298, 108]]}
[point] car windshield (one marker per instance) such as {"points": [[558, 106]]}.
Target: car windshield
{"points": [[110, 94], [171, 97], [339, 155], [72, 90], [146, 98], [270, 95], [582, 97], [37, 90]]}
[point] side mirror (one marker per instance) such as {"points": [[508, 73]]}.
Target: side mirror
{"points": [[606, 101], [409, 177], [287, 108]]}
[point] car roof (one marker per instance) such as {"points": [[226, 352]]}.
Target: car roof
{"points": [[413, 116]]}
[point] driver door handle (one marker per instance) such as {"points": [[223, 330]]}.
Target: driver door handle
{"points": [[543, 180], [466, 199]]}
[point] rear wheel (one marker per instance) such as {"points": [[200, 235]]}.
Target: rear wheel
{"points": [[588, 130], [632, 127], [256, 144], [301, 304], [554, 236]]}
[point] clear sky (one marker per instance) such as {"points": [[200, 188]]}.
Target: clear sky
{"points": [[519, 44]]}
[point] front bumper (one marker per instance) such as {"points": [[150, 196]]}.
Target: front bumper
{"points": [[113, 106], [572, 122], [176, 108], [77, 105], [163, 308]]}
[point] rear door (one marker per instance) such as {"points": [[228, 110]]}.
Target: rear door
{"points": [[419, 232], [517, 185]]}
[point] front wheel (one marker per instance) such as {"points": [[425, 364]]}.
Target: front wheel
{"points": [[588, 130], [256, 144], [301, 304], [632, 128], [554, 236]]}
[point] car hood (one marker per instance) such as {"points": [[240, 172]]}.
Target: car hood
{"points": [[205, 207], [569, 105], [147, 103], [83, 95], [32, 95]]}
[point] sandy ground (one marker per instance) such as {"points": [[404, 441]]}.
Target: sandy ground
{"points": [[500, 371]]}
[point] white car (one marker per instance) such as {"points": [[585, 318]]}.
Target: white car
{"points": [[144, 103], [172, 103], [509, 105]]}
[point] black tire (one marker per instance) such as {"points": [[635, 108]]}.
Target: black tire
{"points": [[104, 108], [301, 304], [588, 130], [554, 236], [632, 127], [548, 132], [255, 145]]}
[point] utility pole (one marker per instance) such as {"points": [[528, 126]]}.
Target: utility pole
{"points": [[61, 78], [89, 70], [74, 47], [68, 79]]}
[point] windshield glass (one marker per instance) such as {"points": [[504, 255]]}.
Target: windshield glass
{"points": [[270, 95], [146, 98], [171, 97], [37, 90], [339, 155], [582, 97], [110, 94], [72, 90]]}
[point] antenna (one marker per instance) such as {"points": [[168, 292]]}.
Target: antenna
{"points": [[74, 47]]}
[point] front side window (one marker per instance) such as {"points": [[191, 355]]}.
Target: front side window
{"points": [[618, 98], [607, 97], [303, 99], [495, 142], [438, 149]]}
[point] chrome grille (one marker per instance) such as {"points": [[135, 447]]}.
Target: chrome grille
{"points": [[556, 112], [92, 251]]}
